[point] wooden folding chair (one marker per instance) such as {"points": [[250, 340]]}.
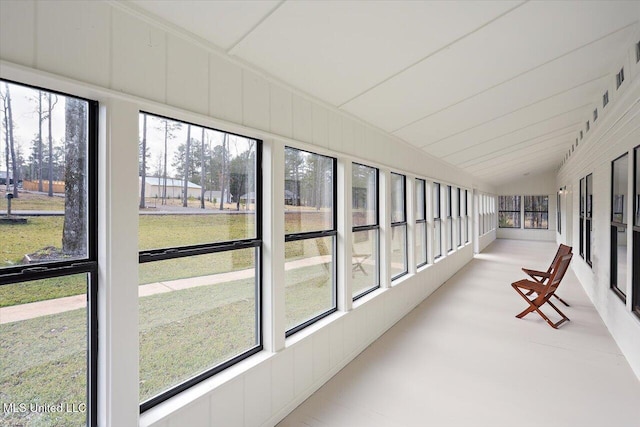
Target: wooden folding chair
{"points": [[358, 259], [543, 276], [544, 291]]}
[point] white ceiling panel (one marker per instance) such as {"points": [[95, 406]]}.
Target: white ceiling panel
{"points": [[498, 88], [337, 50], [221, 22], [520, 41]]}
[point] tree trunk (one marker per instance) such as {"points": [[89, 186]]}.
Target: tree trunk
{"points": [[12, 148], [51, 105], [164, 173], [143, 174], [187, 158], [6, 145], [40, 187], [74, 240], [224, 166], [202, 171]]}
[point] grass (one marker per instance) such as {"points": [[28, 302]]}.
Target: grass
{"points": [[32, 201]]}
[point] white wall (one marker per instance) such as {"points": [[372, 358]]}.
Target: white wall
{"points": [[532, 185], [616, 131], [104, 51]]}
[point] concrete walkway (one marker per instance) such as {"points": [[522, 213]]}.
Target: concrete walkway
{"points": [[20, 312]]}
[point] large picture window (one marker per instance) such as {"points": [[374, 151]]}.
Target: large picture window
{"points": [[509, 211], [310, 237], [437, 222], [588, 236], [619, 203], [199, 305], [398, 226], [636, 233], [449, 224], [536, 212], [49, 256], [421, 223], [582, 217], [366, 230]]}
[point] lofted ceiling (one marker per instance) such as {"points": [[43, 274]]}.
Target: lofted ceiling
{"points": [[499, 88]]}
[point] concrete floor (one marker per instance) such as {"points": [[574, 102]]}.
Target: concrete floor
{"points": [[461, 358]]}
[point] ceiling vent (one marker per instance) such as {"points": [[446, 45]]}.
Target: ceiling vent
{"points": [[620, 78], [605, 99]]}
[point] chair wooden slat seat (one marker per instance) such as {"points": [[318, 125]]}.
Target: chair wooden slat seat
{"points": [[543, 291], [543, 276]]}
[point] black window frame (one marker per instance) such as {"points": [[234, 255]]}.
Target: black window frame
{"points": [[459, 218], [423, 220], [559, 211], [468, 217], [398, 224], [160, 254], [619, 78], [605, 99], [333, 233], [581, 216], [637, 52], [87, 265], [370, 227], [518, 211], [588, 218], [616, 225], [635, 287], [525, 211]]}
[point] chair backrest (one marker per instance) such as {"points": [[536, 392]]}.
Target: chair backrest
{"points": [[559, 269], [562, 250]]}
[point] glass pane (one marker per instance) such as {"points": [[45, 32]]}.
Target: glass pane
{"points": [[398, 250], [364, 195], [459, 221], [437, 239], [589, 192], [43, 178], [309, 279], [449, 201], [397, 198], [195, 313], [450, 235], [619, 197], [582, 197], [43, 355], [421, 243], [197, 182], [364, 261], [637, 187], [619, 258], [509, 219], [536, 220], [436, 200], [308, 191], [420, 206]]}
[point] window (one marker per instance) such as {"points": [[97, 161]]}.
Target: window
{"points": [[635, 305], [437, 222], [638, 52], [459, 216], [48, 354], [559, 211], [449, 219], [398, 226], [619, 202], [310, 238], [467, 209], [366, 230], [588, 236], [620, 78], [605, 99], [509, 211], [595, 115], [204, 185], [536, 212], [581, 135], [588, 126], [421, 223], [582, 216]]}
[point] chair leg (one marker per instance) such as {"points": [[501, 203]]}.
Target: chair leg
{"points": [[561, 300]]}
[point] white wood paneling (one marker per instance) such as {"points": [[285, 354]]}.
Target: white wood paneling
{"points": [[187, 75], [139, 57], [257, 385], [320, 117], [281, 111], [302, 119], [227, 404], [255, 101], [17, 31], [194, 415], [303, 366], [282, 392]]}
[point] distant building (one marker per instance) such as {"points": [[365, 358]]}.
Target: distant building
{"points": [[154, 188]]}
